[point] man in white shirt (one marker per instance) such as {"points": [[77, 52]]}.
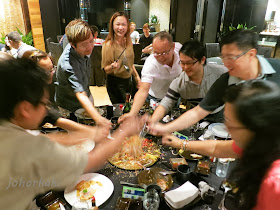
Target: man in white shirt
{"points": [[17, 43], [134, 35], [158, 71]]}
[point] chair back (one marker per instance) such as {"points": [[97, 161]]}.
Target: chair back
{"points": [[264, 51], [212, 50], [55, 50]]}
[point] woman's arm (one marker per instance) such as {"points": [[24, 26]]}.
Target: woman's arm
{"points": [[216, 148]]}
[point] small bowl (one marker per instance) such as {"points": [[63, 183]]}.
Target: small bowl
{"points": [[183, 173]]}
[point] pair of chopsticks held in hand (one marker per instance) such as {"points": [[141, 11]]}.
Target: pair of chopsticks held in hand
{"points": [[125, 66]]}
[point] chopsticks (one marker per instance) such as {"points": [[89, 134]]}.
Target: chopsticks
{"points": [[121, 54]]}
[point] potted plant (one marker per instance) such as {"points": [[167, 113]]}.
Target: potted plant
{"points": [[155, 22]]}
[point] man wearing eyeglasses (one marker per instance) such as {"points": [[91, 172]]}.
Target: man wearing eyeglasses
{"points": [[73, 77], [239, 55], [159, 70], [193, 83]]}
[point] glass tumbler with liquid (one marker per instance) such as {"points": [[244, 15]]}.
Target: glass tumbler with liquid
{"points": [[151, 200], [222, 167]]}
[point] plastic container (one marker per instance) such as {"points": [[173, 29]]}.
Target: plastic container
{"points": [[175, 162]]}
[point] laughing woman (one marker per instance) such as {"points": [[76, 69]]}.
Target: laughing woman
{"points": [[255, 107], [118, 59]]}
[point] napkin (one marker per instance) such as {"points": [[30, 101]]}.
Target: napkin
{"points": [[182, 195]]}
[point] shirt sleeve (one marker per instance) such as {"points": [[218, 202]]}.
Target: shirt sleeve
{"points": [[107, 55], [269, 194], [214, 97], [236, 149], [56, 164]]}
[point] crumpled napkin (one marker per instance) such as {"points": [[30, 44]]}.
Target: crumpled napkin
{"points": [[182, 195]]}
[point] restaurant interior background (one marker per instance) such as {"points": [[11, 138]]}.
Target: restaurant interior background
{"points": [[185, 19]]}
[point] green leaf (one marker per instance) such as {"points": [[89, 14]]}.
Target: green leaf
{"points": [[85, 191]]}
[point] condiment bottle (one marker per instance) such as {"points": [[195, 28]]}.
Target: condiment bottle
{"points": [[127, 105]]}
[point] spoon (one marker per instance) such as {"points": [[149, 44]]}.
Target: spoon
{"points": [[164, 173], [226, 188]]}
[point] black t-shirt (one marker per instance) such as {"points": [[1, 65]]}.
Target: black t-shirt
{"points": [[51, 116], [214, 97], [145, 41]]}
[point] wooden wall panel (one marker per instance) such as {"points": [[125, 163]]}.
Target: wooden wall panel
{"points": [[36, 24]]}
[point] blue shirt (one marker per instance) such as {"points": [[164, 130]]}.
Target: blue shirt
{"points": [[72, 76]]}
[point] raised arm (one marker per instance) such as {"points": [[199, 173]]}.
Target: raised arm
{"points": [[88, 106], [216, 148], [184, 121], [99, 155], [138, 101], [158, 114]]}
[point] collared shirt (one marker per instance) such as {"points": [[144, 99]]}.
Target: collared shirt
{"points": [[23, 48], [188, 90], [214, 97], [160, 76], [73, 75]]}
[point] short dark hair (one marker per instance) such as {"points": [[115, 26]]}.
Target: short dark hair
{"points": [[94, 29], [193, 49], [164, 35], [20, 80], [244, 39], [14, 36]]}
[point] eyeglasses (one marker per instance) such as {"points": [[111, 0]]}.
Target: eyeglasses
{"points": [[188, 63], [162, 54], [233, 57], [233, 127], [47, 104]]}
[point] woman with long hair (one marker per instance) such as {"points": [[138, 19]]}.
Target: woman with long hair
{"points": [[118, 59], [254, 109]]}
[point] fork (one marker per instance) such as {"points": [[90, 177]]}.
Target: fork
{"points": [[222, 203], [143, 131]]}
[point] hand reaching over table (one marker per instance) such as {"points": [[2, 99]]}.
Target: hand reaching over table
{"points": [[102, 121], [157, 129], [172, 141]]}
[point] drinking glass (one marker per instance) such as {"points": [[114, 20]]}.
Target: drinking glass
{"points": [[222, 167], [80, 205]]}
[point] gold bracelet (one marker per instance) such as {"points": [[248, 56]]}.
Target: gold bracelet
{"points": [[185, 145]]}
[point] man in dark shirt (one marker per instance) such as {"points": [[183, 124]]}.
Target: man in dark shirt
{"points": [[239, 55], [72, 77], [145, 41]]}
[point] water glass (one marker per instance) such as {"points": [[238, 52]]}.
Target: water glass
{"points": [[80, 205], [222, 167]]}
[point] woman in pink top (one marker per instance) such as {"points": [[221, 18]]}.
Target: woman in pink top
{"points": [[256, 112], [252, 117]]}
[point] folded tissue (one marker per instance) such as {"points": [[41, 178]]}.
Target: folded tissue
{"points": [[182, 195]]}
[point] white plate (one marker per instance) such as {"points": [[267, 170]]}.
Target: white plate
{"points": [[101, 195], [86, 146], [79, 113], [219, 129]]}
